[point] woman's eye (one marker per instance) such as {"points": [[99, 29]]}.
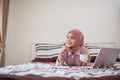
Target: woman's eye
{"points": [[72, 37], [67, 37]]}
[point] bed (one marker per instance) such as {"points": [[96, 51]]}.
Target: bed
{"points": [[42, 66]]}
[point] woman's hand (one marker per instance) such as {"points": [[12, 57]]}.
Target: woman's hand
{"points": [[88, 62], [85, 64]]}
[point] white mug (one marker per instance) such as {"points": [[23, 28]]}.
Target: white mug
{"points": [[84, 57]]}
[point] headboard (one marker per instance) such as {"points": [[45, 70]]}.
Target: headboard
{"points": [[49, 51]]}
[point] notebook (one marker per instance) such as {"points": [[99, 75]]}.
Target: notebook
{"points": [[106, 57]]}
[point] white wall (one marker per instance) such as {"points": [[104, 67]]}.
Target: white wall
{"points": [[48, 21]]}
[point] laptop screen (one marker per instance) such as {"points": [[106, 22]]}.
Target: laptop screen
{"points": [[106, 57]]}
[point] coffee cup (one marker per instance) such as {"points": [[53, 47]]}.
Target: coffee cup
{"points": [[84, 57]]}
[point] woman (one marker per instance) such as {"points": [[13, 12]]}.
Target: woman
{"points": [[74, 47]]}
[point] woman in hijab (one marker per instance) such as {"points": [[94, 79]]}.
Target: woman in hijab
{"points": [[74, 47]]}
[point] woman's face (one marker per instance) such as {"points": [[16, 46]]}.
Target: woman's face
{"points": [[70, 41]]}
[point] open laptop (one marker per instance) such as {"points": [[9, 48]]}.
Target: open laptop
{"points": [[106, 57]]}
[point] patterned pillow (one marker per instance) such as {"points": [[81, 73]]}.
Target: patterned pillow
{"points": [[45, 52]]}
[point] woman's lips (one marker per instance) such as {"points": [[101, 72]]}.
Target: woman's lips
{"points": [[68, 44]]}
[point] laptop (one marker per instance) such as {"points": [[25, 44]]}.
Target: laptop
{"points": [[106, 57]]}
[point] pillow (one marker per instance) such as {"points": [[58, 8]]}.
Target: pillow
{"points": [[47, 52]]}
